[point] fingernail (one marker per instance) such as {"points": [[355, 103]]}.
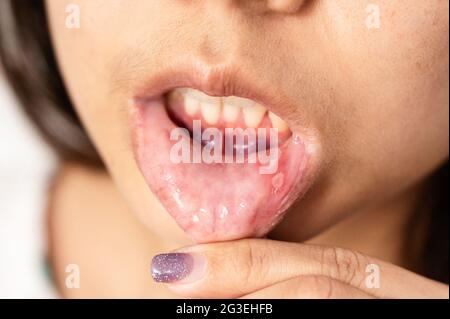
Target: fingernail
{"points": [[175, 267]]}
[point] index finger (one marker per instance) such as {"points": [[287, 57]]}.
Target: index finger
{"points": [[234, 269]]}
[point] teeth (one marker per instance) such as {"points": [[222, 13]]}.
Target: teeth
{"points": [[211, 112], [278, 123], [200, 96], [238, 101], [213, 108], [231, 112], [254, 115], [191, 106]]}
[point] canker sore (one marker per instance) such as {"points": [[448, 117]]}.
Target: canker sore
{"points": [[216, 202]]}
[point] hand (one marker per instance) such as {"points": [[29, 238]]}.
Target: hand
{"points": [[259, 268]]}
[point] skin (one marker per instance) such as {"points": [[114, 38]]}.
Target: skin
{"points": [[377, 98]]}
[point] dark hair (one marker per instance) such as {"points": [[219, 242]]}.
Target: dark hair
{"points": [[30, 66]]}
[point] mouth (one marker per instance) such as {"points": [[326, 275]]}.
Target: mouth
{"points": [[225, 166]]}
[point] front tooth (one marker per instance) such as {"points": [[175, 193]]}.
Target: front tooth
{"points": [[278, 123], [230, 112], [211, 112], [200, 96], [253, 115], [238, 101], [191, 106]]}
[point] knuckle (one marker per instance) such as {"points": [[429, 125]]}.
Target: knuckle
{"points": [[344, 265], [255, 259]]}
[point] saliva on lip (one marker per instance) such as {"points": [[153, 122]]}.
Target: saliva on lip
{"points": [[222, 212]]}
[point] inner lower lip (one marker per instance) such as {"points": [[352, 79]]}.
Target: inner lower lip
{"points": [[218, 201]]}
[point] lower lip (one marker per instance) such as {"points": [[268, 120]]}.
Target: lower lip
{"points": [[215, 202]]}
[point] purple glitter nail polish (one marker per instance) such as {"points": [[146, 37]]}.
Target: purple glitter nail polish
{"points": [[171, 267]]}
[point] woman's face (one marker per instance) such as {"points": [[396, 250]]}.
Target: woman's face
{"points": [[363, 88]]}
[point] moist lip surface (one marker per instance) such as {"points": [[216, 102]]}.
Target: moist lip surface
{"points": [[218, 201]]}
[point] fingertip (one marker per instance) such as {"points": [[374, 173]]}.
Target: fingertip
{"points": [[178, 268]]}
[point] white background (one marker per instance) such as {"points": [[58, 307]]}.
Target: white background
{"points": [[26, 164]]}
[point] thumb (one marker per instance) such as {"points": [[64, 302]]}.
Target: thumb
{"points": [[229, 269]]}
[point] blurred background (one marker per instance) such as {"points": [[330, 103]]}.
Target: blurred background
{"points": [[26, 167]]}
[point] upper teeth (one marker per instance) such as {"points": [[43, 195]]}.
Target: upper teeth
{"points": [[229, 108]]}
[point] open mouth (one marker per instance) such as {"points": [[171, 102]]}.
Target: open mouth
{"points": [[224, 167], [239, 125]]}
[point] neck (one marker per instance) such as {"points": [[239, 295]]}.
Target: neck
{"points": [[394, 231]]}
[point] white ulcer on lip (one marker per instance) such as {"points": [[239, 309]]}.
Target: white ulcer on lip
{"points": [[229, 108], [223, 212]]}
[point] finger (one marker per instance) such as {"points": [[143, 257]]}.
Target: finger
{"points": [[287, 6], [309, 287], [234, 269]]}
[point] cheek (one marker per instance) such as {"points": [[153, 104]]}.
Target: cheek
{"points": [[398, 76], [387, 125], [83, 55]]}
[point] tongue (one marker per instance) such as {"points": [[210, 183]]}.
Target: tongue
{"points": [[219, 201]]}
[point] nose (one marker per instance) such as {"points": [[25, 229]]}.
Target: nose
{"points": [[232, 15], [280, 6], [232, 33], [286, 6]]}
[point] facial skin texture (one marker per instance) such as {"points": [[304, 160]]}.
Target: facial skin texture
{"points": [[377, 98]]}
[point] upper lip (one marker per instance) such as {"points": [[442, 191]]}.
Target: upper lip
{"points": [[213, 80]]}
